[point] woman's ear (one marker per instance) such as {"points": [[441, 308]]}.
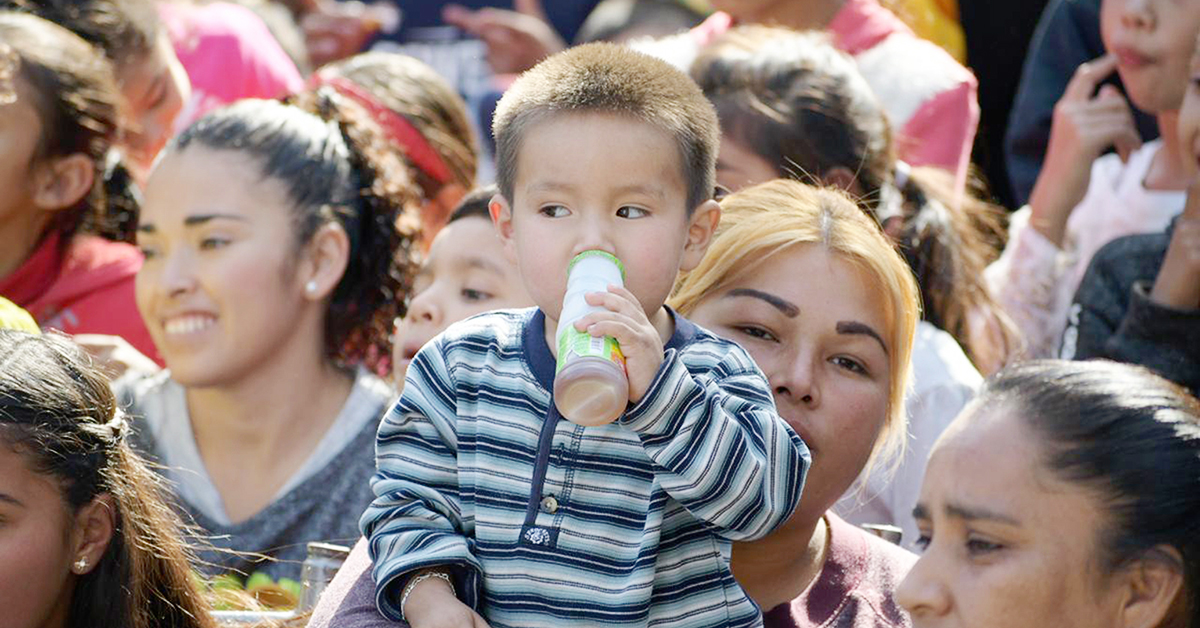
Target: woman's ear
{"points": [[842, 178], [328, 257], [701, 227], [1153, 587], [60, 182], [502, 218], [95, 524]]}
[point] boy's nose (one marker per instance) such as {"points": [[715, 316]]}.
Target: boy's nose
{"points": [[1137, 14]]}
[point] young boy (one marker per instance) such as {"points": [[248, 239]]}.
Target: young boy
{"points": [[487, 502]]}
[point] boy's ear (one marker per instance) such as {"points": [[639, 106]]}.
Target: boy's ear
{"points": [[1153, 590], [60, 182], [328, 257], [501, 213], [701, 227]]}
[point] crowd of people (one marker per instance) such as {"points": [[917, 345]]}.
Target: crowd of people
{"points": [[282, 272]]}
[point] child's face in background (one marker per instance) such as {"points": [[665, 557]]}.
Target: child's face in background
{"points": [[466, 273], [1189, 119], [1153, 42], [589, 181], [20, 130], [155, 87]]}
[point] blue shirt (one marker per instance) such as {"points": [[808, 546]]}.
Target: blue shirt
{"points": [[549, 524]]}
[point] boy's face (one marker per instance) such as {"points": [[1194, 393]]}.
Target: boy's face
{"points": [[465, 273], [599, 181], [1153, 42], [1189, 119]]}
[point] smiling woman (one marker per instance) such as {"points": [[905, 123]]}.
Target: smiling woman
{"points": [[278, 251], [1065, 495]]}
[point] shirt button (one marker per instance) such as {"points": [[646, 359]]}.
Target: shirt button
{"points": [[549, 504]]}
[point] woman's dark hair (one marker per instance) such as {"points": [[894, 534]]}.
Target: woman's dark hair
{"points": [[1127, 435], [58, 413], [411, 89], [126, 30], [802, 105], [336, 168], [77, 103]]}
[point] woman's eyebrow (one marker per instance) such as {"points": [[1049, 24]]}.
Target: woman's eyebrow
{"points": [[966, 513], [857, 328], [789, 309]]}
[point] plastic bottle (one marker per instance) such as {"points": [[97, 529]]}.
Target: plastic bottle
{"points": [[590, 387], [317, 571]]}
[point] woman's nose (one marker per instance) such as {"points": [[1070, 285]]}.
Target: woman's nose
{"points": [[922, 592], [178, 276], [1137, 14], [796, 381]]}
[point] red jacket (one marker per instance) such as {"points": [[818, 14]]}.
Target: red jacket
{"points": [[85, 287]]}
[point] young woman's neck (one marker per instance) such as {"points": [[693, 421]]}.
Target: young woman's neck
{"points": [[772, 571], [1166, 169], [799, 15], [267, 423], [21, 233]]}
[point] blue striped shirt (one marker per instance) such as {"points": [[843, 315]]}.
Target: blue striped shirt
{"points": [[549, 524]]}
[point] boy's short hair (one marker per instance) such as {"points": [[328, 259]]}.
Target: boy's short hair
{"points": [[608, 78], [474, 204]]}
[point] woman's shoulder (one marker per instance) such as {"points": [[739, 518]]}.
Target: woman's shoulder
{"points": [[855, 588]]}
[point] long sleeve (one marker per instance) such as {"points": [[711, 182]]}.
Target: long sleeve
{"points": [[417, 518], [720, 449], [1028, 280]]}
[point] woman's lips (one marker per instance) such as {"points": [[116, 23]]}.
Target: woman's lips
{"points": [[1131, 58]]}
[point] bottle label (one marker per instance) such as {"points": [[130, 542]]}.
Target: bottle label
{"points": [[573, 343]]}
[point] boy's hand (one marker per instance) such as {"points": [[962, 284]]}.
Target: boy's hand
{"points": [[639, 339], [432, 604], [1084, 126], [1178, 281]]}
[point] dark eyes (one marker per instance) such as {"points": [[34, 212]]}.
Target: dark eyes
{"points": [[632, 212], [475, 295], [213, 243], [756, 332], [850, 364]]}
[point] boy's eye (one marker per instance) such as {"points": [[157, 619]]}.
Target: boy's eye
{"points": [[147, 252], [475, 295], [922, 542], [554, 211], [631, 212], [979, 547]]}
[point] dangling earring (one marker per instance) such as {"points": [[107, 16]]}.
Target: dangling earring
{"points": [[311, 287], [81, 565]]}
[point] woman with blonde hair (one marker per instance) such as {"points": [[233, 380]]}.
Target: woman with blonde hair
{"points": [[816, 293]]}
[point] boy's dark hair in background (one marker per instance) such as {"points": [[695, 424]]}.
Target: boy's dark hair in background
{"points": [[623, 20], [609, 79], [475, 204]]}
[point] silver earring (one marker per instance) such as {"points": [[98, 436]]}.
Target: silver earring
{"points": [[311, 286], [81, 564]]}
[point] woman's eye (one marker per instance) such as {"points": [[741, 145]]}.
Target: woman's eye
{"points": [[148, 253], [632, 212], [978, 547], [213, 243], [852, 365], [554, 211], [475, 295], [756, 332]]}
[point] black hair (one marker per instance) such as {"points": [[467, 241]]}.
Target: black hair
{"points": [[126, 30], [802, 105], [77, 103], [475, 204], [58, 413], [1129, 436], [336, 168]]}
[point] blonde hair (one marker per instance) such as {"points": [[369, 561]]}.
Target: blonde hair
{"points": [[761, 221]]}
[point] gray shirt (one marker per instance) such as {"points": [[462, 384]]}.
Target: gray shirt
{"points": [[322, 501]]}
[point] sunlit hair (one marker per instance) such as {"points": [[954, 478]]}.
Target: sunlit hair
{"points": [[610, 79], [771, 218], [802, 105], [59, 415], [1130, 439]]}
